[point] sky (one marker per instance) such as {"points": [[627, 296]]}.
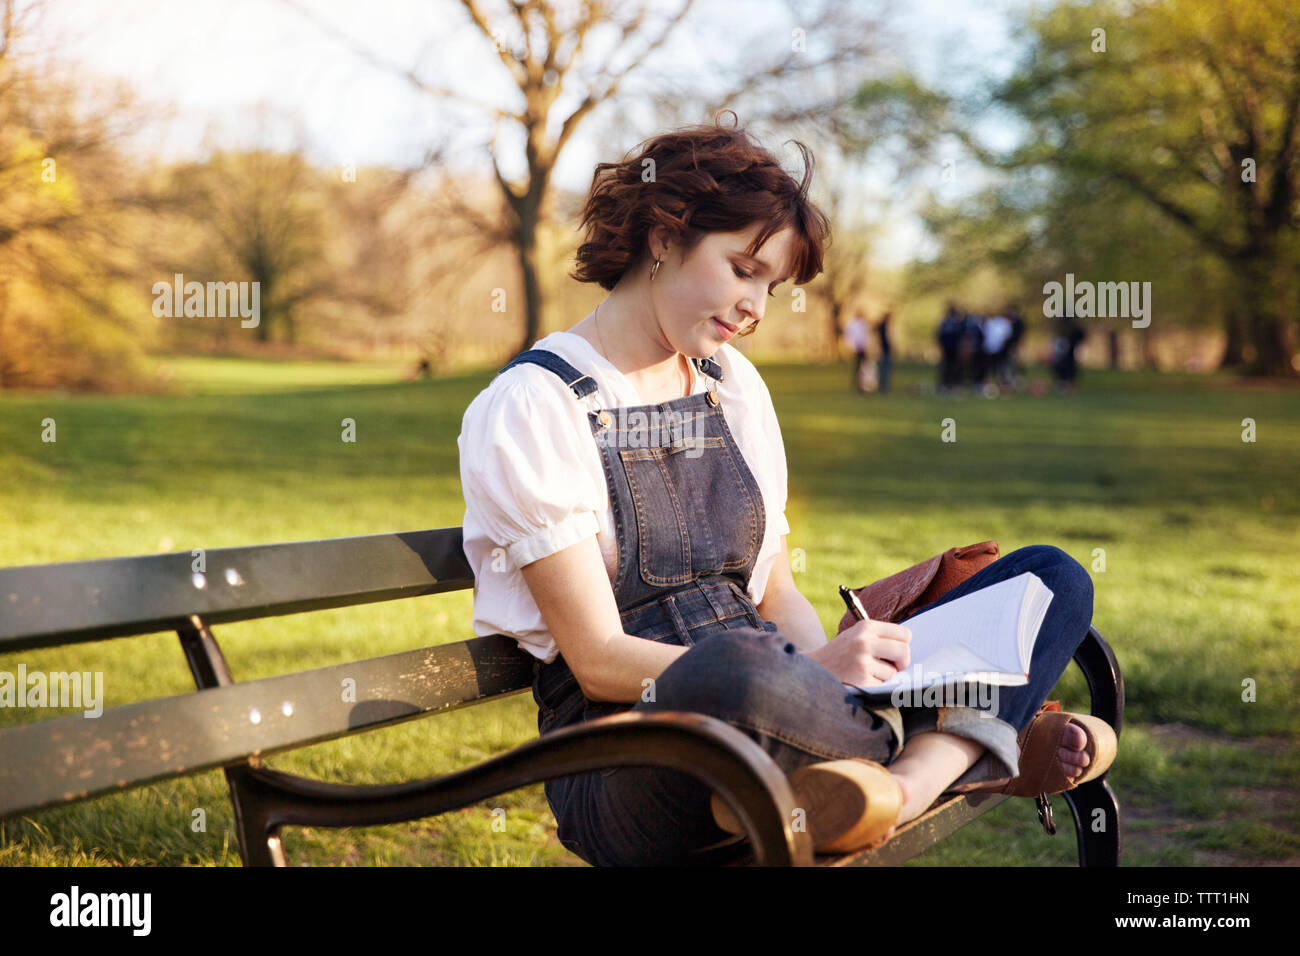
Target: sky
{"points": [[234, 73]]}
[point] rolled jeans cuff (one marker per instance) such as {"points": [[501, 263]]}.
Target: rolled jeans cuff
{"points": [[998, 736]]}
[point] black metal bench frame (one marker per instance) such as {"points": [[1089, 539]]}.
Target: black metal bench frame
{"points": [[62, 760]]}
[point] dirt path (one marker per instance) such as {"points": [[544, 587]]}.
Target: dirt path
{"points": [[1163, 827]]}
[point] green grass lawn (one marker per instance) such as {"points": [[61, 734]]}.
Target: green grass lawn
{"points": [[1189, 532]]}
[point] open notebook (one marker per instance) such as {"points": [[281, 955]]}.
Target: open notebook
{"points": [[984, 637]]}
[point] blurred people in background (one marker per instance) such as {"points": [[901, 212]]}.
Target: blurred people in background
{"points": [[970, 355], [949, 335], [1069, 335], [983, 351], [1012, 362], [856, 335], [882, 331], [997, 332]]}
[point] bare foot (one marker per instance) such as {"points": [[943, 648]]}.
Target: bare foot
{"points": [[908, 812], [916, 799], [1071, 754], [920, 792]]}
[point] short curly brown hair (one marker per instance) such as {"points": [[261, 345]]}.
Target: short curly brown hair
{"points": [[705, 179]]}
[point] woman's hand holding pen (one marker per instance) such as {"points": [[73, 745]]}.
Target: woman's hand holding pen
{"points": [[866, 653]]}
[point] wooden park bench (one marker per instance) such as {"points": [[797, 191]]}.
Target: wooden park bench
{"points": [[61, 760]]}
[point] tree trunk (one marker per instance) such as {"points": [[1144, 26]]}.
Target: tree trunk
{"points": [[1232, 327], [266, 295], [527, 245], [1270, 351], [837, 330], [1267, 342], [1148, 347]]}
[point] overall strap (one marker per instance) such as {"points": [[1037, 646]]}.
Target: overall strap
{"points": [[584, 385]]}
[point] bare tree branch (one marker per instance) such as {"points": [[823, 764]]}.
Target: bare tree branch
{"points": [[388, 66]]}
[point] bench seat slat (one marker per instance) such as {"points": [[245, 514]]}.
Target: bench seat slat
{"points": [[50, 762], [948, 815], [55, 604]]}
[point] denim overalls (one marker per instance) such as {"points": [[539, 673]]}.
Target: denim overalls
{"points": [[689, 522]]}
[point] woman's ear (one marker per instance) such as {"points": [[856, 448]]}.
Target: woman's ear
{"points": [[658, 242]]}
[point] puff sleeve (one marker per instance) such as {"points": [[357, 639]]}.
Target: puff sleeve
{"points": [[525, 469]]}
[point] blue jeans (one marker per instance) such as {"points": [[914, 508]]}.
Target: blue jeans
{"points": [[795, 709]]}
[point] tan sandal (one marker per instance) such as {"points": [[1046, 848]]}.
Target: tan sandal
{"points": [[1041, 771], [848, 804]]}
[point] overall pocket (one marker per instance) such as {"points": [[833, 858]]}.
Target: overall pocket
{"points": [[695, 512]]}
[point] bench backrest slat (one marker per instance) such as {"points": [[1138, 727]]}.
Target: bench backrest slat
{"points": [[54, 604], [49, 762]]}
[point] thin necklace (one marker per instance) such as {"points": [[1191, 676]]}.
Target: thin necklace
{"points": [[595, 320]]}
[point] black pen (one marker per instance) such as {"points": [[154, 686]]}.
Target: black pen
{"points": [[855, 606], [859, 612]]}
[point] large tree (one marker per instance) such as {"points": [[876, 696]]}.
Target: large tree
{"points": [[262, 214], [567, 59], [1191, 108], [319, 244], [71, 199]]}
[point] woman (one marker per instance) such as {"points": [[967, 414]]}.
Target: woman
{"points": [[625, 487]]}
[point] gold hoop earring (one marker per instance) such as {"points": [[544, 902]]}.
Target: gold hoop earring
{"points": [[654, 269]]}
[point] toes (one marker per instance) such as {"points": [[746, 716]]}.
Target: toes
{"points": [[1073, 761], [1074, 738]]}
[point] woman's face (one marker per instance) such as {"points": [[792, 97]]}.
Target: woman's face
{"points": [[716, 290]]}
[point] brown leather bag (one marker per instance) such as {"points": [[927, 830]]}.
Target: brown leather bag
{"points": [[894, 597]]}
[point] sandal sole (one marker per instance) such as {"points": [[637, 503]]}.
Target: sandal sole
{"points": [[848, 804]]}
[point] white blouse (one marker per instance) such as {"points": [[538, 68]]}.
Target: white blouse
{"points": [[534, 484]]}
